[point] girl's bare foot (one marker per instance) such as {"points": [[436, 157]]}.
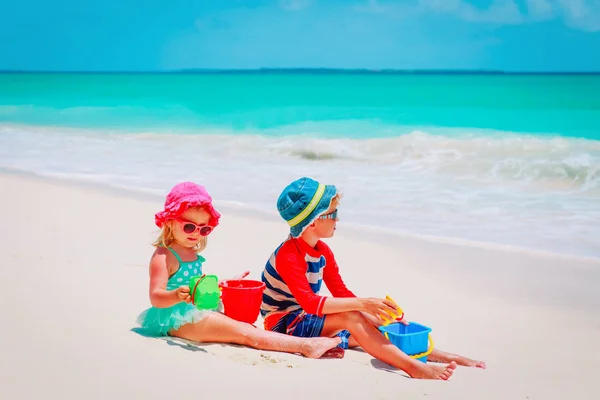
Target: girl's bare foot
{"points": [[316, 347], [427, 371]]}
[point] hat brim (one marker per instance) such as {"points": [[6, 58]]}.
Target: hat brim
{"points": [[322, 207], [178, 209]]}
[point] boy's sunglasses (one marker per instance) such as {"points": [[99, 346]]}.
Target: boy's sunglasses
{"points": [[190, 227], [331, 215]]}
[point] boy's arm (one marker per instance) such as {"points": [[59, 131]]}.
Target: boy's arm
{"points": [[292, 270], [333, 279], [344, 300], [370, 305]]}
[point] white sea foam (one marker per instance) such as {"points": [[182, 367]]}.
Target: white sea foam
{"points": [[503, 188]]}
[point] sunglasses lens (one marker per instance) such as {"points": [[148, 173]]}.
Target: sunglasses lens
{"points": [[332, 215], [189, 228], [205, 230]]}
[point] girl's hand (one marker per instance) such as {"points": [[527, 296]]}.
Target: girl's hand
{"points": [[241, 276], [183, 294]]}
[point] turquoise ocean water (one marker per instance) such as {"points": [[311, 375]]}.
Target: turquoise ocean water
{"points": [[504, 159]]}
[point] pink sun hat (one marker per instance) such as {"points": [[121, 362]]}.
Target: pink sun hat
{"points": [[182, 197]]}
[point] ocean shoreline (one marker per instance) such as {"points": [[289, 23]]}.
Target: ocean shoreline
{"points": [[376, 234]]}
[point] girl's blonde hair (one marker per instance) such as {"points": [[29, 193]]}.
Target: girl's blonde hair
{"points": [[167, 238]]}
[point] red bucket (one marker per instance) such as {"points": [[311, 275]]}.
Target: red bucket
{"points": [[242, 299]]}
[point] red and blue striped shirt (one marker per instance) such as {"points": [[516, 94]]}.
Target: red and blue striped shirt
{"points": [[293, 277]]}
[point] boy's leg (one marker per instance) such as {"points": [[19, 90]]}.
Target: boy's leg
{"points": [[218, 328], [374, 321], [352, 343], [435, 356], [374, 343]]}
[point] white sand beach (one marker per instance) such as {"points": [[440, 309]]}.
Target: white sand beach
{"points": [[74, 278]]}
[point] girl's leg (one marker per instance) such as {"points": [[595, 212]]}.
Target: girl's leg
{"points": [[374, 343], [441, 356], [218, 328]]}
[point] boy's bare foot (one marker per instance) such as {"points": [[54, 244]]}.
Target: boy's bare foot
{"points": [[467, 362], [427, 371], [316, 347], [444, 357]]}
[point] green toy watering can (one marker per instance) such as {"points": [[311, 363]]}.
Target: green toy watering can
{"points": [[205, 292]]}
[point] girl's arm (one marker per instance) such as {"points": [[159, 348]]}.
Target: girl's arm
{"points": [[160, 297]]}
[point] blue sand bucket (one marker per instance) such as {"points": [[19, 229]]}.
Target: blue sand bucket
{"points": [[413, 339]]}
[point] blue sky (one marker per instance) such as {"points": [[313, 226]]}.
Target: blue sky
{"points": [[524, 35]]}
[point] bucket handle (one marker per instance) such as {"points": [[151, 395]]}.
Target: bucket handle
{"points": [[428, 352], [196, 286]]}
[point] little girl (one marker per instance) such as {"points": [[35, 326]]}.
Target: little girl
{"points": [[187, 219]]}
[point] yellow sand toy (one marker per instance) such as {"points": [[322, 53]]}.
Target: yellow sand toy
{"points": [[413, 339], [398, 316]]}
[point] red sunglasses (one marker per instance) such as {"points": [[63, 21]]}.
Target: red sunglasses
{"points": [[190, 227]]}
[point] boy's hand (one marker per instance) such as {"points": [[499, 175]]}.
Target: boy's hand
{"points": [[376, 307], [183, 294]]}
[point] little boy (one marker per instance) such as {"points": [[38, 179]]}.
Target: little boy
{"points": [[296, 270]]}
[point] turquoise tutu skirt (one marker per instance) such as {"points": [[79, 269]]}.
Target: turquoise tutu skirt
{"points": [[159, 321]]}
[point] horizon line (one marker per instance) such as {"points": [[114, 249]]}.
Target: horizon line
{"points": [[323, 70]]}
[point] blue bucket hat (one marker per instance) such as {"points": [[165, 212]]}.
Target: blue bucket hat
{"points": [[303, 201]]}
